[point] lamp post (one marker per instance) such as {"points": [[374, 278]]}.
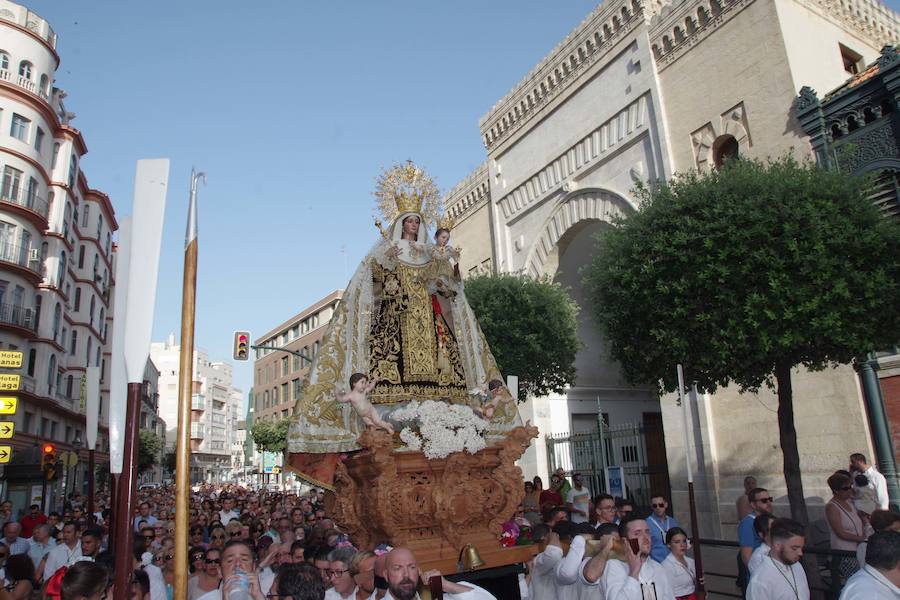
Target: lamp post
{"points": [[77, 444]]}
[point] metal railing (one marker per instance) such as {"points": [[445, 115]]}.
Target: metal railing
{"points": [[18, 255], [21, 197], [18, 315], [824, 560]]}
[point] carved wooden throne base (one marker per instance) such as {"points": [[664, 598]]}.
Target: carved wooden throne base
{"points": [[434, 507]]}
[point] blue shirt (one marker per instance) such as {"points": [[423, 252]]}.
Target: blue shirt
{"points": [[658, 530], [747, 537]]}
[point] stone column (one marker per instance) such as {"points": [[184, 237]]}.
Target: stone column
{"points": [[878, 424]]}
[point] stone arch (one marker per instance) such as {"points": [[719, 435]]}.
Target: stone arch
{"points": [[591, 204]]}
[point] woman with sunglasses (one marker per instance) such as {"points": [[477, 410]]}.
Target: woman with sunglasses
{"points": [[195, 537], [207, 578], [217, 537], [846, 527], [165, 560]]}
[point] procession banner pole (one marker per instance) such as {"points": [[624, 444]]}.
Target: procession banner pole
{"points": [[150, 184], [185, 388], [695, 529]]}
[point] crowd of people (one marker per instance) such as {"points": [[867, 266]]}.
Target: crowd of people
{"points": [[248, 544]]}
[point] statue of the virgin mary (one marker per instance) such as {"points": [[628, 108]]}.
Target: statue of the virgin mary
{"points": [[391, 326]]}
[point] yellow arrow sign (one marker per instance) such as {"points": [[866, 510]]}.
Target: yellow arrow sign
{"points": [[9, 383], [6, 429], [11, 359], [5, 453], [8, 405]]}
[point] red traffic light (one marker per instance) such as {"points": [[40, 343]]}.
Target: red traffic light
{"points": [[49, 448]]}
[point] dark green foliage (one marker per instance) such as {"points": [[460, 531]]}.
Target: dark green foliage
{"points": [[270, 436], [148, 451], [530, 326]]}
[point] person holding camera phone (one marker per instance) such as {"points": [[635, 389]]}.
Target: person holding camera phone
{"points": [[638, 577]]}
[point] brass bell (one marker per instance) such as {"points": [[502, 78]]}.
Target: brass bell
{"points": [[469, 558]]}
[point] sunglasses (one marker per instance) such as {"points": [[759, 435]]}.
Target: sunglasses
{"points": [[663, 505], [149, 536], [214, 561], [765, 500], [217, 537], [235, 534], [197, 557]]}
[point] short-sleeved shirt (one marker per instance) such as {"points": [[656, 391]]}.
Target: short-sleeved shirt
{"points": [[747, 537]]}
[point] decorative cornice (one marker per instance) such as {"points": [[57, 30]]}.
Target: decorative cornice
{"points": [[671, 36], [621, 129], [593, 39], [469, 194]]}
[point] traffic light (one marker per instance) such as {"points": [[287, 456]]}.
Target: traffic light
{"points": [[241, 345], [48, 458]]}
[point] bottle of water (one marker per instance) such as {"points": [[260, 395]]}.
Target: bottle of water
{"points": [[239, 588]]}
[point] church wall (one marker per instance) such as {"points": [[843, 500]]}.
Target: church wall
{"points": [[473, 236], [735, 80]]}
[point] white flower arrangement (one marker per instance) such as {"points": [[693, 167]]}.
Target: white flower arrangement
{"points": [[442, 428]]}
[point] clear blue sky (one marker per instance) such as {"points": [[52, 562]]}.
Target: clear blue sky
{"points": [[291, 108]]}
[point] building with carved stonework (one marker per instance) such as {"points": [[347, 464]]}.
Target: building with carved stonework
{"points": [[637, 92]]}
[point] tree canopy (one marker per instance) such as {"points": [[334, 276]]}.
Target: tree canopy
{"points": [[531, 328], [270, 436], [744, 272], [148, 451]]}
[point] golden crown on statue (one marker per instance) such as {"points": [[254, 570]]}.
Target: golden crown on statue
{"points": [[446, 222], [406, 188]]}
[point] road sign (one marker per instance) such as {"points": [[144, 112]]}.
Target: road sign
{"points": [[6, 429], [10, 359], [9, 382], [8, 405], [5, 453], [268, 469], [68, 459]]}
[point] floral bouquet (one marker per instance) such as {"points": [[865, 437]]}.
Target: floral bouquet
{"points": [[442, 428]]}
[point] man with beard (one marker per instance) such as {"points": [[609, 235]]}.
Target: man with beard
{"points": [[639, 576], [781, 576], [403, 577]]}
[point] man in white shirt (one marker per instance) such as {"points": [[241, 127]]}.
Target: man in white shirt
{"points": [[228, 513], [542, 583], [640, 576], [63, 555], [567, 570], [781, 576], [877, 482], [578, 500], [879, 579], [402, 573]]}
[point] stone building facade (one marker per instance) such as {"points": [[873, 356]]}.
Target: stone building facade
{"points": [[640, 91], [56, 252]]}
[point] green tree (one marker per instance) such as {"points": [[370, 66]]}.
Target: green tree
{"points": [[742, 274], [530, 326], [270, 436], [148, 451]]}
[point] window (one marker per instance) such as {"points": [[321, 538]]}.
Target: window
{"points": [[74, 345], [61, 269], [285, 366], [91, 312], [55, 156], [297, 388], [31, 193], [4, 61], [284, 392], [51, 370], [266, 399], [852, 60], [57, 315], [12, 179], [69, 382], [99, 226], [25, 69], [97, 359], [90, 347], [80, 258], [296, 363], [73, 169], [38, 301], [85, 216], [38, 139], [77, 299], [27, 422], [724, 148], [32, 359], [19, 128], [66, 217]]}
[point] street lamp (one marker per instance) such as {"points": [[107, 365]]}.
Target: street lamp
{"points": [[77, 444]]}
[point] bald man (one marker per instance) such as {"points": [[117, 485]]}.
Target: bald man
{"points": [[402, 574]]}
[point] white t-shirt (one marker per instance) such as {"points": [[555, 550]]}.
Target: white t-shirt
{"points": [[759, 555], [774, 580], [61, 556], [580, 500], [543, 583], [566, 572]]}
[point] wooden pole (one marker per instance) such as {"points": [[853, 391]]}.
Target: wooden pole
{"points": [[700, 589], [124, 530], [185, 389]]}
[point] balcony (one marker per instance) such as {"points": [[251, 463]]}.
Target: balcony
{"points": [[35, 207], [25, 83], [198, 402], [198, 432], [18, 317], [22, 259]]}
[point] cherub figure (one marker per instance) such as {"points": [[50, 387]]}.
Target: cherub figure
{"points": [[489, 396], [360, 386]]}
